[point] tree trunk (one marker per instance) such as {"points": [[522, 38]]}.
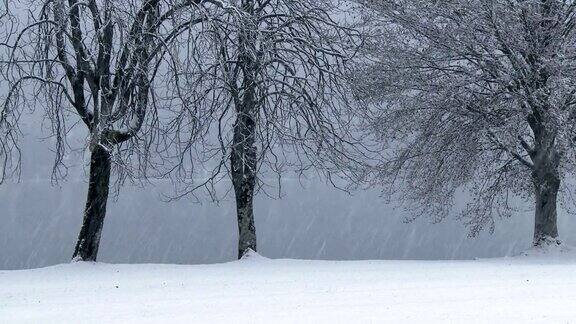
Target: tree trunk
{"points": [[95, 210], [243, 155], [546, 187], [546, 180], [243, 160]]}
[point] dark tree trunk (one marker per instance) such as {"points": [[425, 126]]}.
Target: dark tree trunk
{"points": [[243, 160], [546, 186], [546, 181], [95, 210], [243, 155]]}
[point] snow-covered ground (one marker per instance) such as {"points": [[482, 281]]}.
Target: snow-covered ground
{"points": [[524, 289]]}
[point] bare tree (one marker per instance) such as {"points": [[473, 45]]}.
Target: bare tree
{"points": [[8, 122], [109, 64], [271, 97], [474, 96]]}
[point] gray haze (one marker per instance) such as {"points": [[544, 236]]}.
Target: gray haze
{"points": [[39, 223]]}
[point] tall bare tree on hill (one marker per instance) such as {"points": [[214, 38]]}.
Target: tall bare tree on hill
{"points": [[272, 93], [473, 95], [109, 64]]}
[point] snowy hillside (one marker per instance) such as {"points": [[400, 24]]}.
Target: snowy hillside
{"points": [[523, 289]]}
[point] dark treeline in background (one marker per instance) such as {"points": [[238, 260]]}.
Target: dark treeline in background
{"points": [[441, 108]]}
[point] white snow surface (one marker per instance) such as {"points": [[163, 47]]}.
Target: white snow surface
{"points": [[537, 287]]}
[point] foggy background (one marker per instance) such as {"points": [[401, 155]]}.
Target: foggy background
{"points": [[39, 222]]}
